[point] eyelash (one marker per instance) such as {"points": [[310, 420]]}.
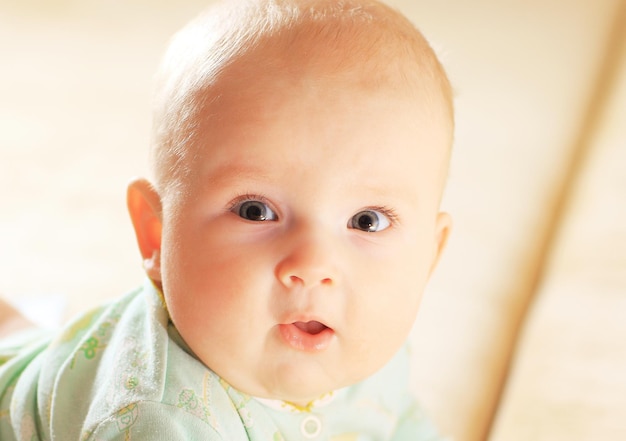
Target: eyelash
{"points": [[249, 197], [390, 213]]}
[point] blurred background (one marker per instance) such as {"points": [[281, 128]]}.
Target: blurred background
{"points": [[521, 336]]}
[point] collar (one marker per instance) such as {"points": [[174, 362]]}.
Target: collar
{"points": [[289, 407]]}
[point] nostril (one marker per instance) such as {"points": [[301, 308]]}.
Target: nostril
{"points": [[295, 279]]}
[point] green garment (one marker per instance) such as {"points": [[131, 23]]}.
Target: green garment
{"points": [[122, 372]]}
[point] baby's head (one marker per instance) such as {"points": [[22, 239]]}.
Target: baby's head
{"points": [[300, 152]]}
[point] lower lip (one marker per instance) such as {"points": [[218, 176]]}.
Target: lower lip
{"points": [[303, 341]]}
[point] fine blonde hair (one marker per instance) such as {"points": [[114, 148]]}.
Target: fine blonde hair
{"points": [[358, 38]]}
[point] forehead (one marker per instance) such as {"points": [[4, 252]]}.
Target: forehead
{"points": [[317, 129], [318, 83]]}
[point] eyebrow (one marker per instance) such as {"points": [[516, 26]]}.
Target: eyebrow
{"points": [[231, 173]]}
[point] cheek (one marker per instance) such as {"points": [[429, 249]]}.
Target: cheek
{"points": [[394, 285], [381, 314], [404, 266], [190, 279], [212, 297], [210, 277]]}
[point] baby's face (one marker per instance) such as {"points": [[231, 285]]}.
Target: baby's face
{"points": [[294, 258]]}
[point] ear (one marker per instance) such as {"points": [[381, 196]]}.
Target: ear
{"points": [[144, 206], [443, 226]]}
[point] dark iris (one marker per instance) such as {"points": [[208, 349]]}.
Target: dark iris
{"points": [[253, 210], [366, 221]]}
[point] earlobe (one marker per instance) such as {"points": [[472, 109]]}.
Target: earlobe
{"points": [[144, 206], [443, 226]]}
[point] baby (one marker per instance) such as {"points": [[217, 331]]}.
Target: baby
{"points": [[300, 151]]}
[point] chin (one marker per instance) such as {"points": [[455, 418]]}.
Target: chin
{"points": [[301, 388]]}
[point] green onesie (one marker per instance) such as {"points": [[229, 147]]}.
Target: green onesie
{"points": [[122, 372]]}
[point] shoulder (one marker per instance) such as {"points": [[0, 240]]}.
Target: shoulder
{"points": [[123, 370], [28, 377], [146, 420], [141, 380], [193, 404], [114, 357], [99, 361]]}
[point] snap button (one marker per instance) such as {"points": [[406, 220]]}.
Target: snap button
{"points": [[311, 427]]}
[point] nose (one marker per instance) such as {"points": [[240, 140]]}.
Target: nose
{"points": [[309, 261]]}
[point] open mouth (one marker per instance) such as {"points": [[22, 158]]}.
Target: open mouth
{"points": [[313, 327], [311, 336]]}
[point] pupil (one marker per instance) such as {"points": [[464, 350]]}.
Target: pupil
{"points": [[366, 222], [255, 212]]}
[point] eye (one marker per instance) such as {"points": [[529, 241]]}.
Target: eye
{"points": [[370, 221], [254, 210]]}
